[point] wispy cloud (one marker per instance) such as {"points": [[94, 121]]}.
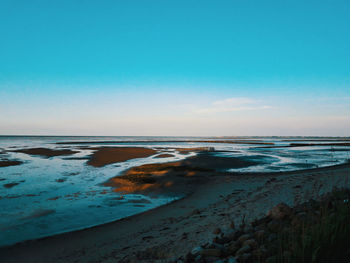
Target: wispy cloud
{"points": [[234, 104]]}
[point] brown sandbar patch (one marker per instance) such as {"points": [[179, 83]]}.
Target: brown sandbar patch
{"points": [[174, 177], [61, 180], [46, 152], [108, 155], [53, 198], [10, 185], [5, 163], [12, 196], [31, 195], [164, 178]]}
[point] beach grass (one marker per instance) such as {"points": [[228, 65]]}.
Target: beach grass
{"points": [[325, 238]]}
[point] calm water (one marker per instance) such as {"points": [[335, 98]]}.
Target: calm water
{"points": [[58, 194]]}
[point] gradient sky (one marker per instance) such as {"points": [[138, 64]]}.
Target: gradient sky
{"points": [[70, 67]]}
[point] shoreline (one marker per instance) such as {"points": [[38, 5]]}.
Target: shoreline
{"points": [[158, 228]]}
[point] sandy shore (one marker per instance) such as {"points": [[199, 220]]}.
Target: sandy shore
{"points": [[168, 232]]}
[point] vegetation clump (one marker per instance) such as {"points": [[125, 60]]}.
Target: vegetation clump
{"points": [[312, 232]]}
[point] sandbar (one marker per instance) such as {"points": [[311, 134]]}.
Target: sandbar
{"points": [[108, 155], [6, 163], [46, 152]]}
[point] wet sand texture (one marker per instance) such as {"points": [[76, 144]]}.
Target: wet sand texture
{"points": [[45, 152], [107, 155]]}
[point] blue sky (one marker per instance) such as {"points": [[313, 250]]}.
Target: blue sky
{"points": [[175, 67]]}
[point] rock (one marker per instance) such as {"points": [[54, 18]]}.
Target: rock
{"points": [[212, 252], [237, 234], [190, 257], [250, 242], [243, 238], [229, 235], [196, 251], [221, 240], [199, 259], [243, 250], [233, 247], [246, 228], [217, 231], [209, 259], [280, 211], [196, 212], [215, 245]]}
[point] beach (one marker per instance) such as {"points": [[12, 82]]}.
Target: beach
{"points": [[170, 231], [174, 132]]}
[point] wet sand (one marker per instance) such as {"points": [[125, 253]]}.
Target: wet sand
{"points": [[45, 152], [172, 178], [108, 155], [170, 231]]}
